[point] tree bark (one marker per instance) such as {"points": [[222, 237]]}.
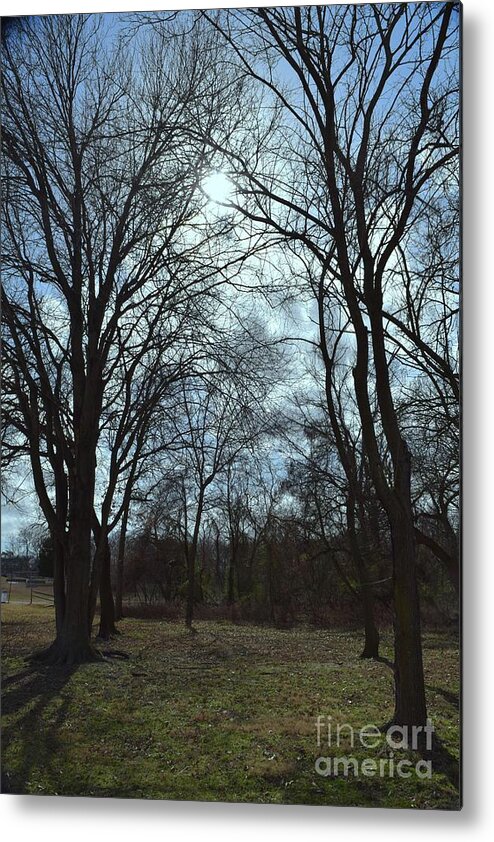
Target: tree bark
{"points": [[410, 705], [72, 644], [371, 644]]}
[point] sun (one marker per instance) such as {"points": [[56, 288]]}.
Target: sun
{"points": [[218, 187]]}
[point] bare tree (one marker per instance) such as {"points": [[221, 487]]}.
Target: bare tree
{"points": [[104, 242], [369, 97], [222, 417]]}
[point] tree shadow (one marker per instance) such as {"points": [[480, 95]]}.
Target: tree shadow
{"points": [[33, 688], [452, 698], [443, 761], [383, 660]]}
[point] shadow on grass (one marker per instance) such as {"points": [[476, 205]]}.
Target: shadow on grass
{"points": [[451, 698], [382, 660], [443, 762], [34, 689]]}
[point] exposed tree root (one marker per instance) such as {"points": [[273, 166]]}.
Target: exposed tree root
{"points": [[116, 653]]}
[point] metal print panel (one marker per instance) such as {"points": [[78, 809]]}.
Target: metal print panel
{"points": [[230, 253]]}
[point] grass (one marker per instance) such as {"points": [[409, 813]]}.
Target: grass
{"points": [[227, 714]]}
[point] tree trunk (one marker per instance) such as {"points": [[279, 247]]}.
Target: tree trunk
{"points": [[371, 645], [72, 644], [121, 564], [107, 628], [410, 705], [348, 461], [191, 563], [230, 597]]}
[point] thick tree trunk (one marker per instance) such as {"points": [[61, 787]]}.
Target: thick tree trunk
{"points": [[72, 644], [410, 702], [371, 644], [410, 705]]}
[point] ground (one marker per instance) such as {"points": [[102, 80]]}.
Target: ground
{"points": [[226, 714]]}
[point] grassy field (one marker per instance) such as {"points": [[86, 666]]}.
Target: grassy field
{"points": [[226, 714]]}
